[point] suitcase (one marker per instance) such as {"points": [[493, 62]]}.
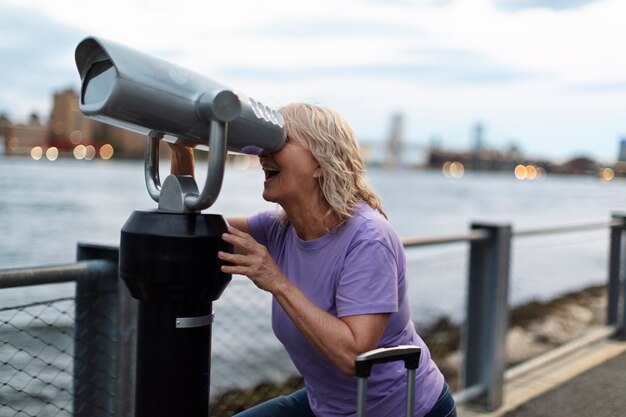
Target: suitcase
{"points": [[364, 362]]}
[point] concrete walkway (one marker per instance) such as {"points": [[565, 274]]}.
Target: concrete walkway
{"points": [[589, 381]]}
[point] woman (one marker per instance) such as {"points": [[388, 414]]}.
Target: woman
{"points": [[336, 270]]}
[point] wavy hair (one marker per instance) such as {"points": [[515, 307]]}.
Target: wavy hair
{"points": [[332, 142]]}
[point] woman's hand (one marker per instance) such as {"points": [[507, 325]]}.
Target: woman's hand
{"points": [[252, 260], [337, 339]]}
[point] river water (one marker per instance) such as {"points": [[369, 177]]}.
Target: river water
{"points": [[47, 207]]}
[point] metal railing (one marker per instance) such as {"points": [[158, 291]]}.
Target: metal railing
{"points": [[486, 323], [102, 356], [100, 349]]}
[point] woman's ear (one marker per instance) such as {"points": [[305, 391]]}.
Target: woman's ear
{"points": [[318, 172]]}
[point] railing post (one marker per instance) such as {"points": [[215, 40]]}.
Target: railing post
{"points": [[487, 314], [95, 336], [616, 270], [126, 352]]}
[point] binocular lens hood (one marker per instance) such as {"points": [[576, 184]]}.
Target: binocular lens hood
{"points": [[135, 91]]}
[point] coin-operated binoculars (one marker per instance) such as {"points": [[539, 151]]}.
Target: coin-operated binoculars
{"points": [[168, 257]]}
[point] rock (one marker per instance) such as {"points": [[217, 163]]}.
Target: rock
{"points": [[564, 326], [579, 314], [521, 345]]}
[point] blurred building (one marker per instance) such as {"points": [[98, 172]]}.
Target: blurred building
{"points": [[480, 154], [622, 150], [620, 164], [479, 137], [20, 138], [395, 140], [581, 165], [69, 128], [66, 130]]}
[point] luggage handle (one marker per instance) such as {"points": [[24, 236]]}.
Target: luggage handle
{"points": [[364, 362], [409, 354]]}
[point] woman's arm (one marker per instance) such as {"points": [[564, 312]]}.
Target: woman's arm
{"points": [[182, 162], [239, 222], [339, 340]]}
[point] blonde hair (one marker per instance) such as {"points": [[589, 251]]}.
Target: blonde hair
{"points": [[333, 144]]}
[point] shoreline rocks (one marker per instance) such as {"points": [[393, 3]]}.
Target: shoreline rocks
{"points": [[535, 328]]}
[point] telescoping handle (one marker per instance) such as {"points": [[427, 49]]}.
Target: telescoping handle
{"points": [[364, 362]]}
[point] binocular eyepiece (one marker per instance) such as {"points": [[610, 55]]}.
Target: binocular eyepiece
{"points": [[135, 91]]}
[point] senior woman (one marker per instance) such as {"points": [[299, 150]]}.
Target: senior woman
{"points": [[336, 270]]}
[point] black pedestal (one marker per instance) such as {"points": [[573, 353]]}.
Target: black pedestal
{"points": [[169, 262]]}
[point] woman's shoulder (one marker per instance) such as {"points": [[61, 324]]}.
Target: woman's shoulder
{"points": [[370, 222], [266, 217], [363, 213], [266, 224]]}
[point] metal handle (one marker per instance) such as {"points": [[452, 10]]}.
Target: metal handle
{"points": [[151, 164], [215, 173], [364, 362], [409, 354]]}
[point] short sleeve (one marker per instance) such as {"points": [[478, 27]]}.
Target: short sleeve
{"points": [[259, 226], [368, 283]]}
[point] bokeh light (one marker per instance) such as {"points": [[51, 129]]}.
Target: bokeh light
{"points": [[607, 174], [79, 152], [90, 152], [106, 151], [36, 153], [76, 137], [529, 172], [52, 153], [453, 169]]}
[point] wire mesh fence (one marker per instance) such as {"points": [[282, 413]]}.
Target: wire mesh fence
{"points": [[39, 358], [557, 290], [36, 365], [437, 292], [557, 282], [248, 364]]}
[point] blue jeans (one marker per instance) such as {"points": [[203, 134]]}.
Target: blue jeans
{"points": [[293, 405], [297, 405], [445, 406]]}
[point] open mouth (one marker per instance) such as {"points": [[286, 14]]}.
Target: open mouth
{"points": [[270, 172]]}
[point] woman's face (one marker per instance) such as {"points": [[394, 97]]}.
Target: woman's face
{"points": [[291, 175]]}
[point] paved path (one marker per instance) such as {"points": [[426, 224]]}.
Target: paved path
{"points": [[588, 382], [598, 392]]}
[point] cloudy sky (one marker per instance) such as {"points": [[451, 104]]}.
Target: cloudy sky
{"points": [[547, 75]]}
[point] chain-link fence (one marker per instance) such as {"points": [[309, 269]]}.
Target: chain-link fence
{"points": [[248, 364], [437, 288], [56, 362], [36, 369], [47, 367], [59, 340], [557, 290]]}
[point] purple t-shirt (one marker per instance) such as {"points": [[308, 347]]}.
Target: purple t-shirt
{"points": [[359, 269]]}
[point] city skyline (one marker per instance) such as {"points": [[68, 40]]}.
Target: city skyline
{"points": [[547, 76], [68, 133]]}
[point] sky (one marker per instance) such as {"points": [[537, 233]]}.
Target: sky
{"points": [[546, 76]]}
